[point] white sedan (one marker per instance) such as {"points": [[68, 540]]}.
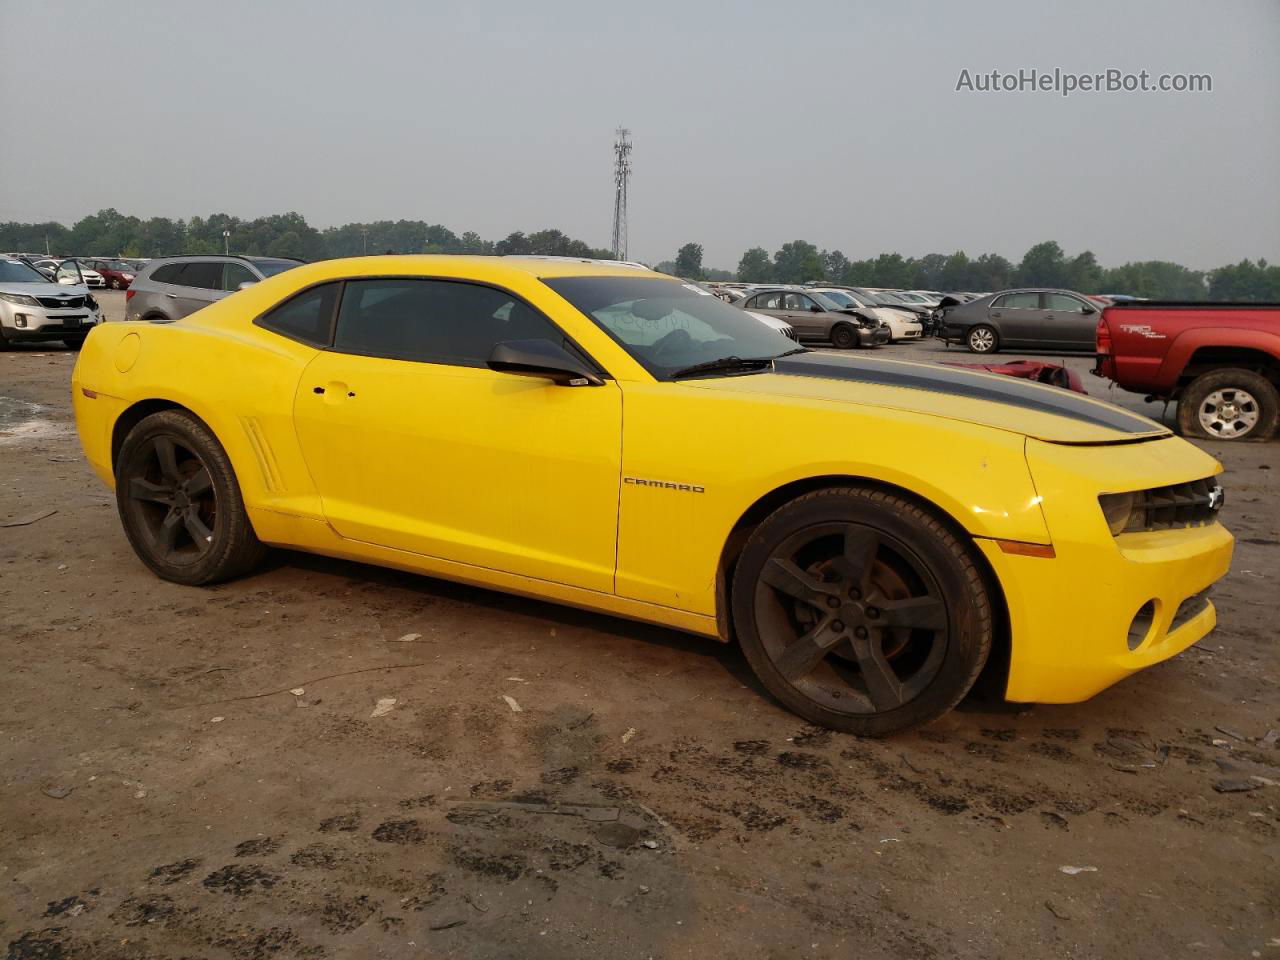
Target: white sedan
{"points": [[72, 272]]}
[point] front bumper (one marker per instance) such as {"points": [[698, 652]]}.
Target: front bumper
{"points": [[1077, 621], [21, 323], [873, 338]]}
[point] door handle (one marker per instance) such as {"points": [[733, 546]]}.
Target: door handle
{"points": [[172, 296]]}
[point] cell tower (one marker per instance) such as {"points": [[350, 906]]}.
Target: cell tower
{"points": [[621, 176]]}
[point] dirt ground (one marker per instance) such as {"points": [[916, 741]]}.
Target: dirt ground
{"points": [[200, 773]]}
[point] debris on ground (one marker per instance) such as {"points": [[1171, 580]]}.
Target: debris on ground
{"points": [[28, 519], [1072, 871], [383, 707], [511, 702], [216, 719], [58, 792], [409, 638], [1235, 786], [631, 732], [1233, 734], [298, 691]]}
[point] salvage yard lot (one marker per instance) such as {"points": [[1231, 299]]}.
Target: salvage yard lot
{"points": [[199, 773]]}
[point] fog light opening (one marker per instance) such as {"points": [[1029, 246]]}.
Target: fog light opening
{"points": [[1142, 623]]}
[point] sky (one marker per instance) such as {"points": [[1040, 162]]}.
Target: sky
{"points": [[754, 123]]}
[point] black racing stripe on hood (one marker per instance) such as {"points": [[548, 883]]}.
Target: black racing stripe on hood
{"points": [[962, 383]]}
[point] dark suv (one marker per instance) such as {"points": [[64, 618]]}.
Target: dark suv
{"points": [[175, 287]]}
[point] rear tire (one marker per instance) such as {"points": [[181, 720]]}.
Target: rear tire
{"points": [[73, 343], [861, 611], [180, 503], [982, 339], [1229, 404]]}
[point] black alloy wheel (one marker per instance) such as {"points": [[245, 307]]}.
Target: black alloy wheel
{"points": [[180, 503], [861, 611]]}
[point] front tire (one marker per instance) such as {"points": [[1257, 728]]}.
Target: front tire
{"points": [[1230, 404], [843, 337], [73, 343], [180, 503], [982, 339], [861, 611]]}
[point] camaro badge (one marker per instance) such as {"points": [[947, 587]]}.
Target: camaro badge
{"points": [[663, 485]]}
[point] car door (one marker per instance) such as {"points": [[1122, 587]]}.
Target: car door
{"points": [[198, 284], [68, 273], [1017, 317], [1069, 323], [810, 321], [415, 444]]}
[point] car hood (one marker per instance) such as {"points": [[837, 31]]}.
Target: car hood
{"points": [[1005, 403], [45, 289]]}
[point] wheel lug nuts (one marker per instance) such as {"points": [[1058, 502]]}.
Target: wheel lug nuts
{"points": [[837, 626], [861, 633], [872, 613], [833, 602], [855, 593]]}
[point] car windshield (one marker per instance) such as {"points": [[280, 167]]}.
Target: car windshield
{"points": [[667, 325], [882, 297], [19, 271], [119, 265], [269, 268]]}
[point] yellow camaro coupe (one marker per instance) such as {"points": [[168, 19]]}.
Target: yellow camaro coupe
{"points": [[873, 533]]}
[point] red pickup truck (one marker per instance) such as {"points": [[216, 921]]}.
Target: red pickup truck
{"points": [[1219, 361]]}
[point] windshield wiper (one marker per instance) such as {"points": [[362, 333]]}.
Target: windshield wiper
{"points": [[732, 363]]}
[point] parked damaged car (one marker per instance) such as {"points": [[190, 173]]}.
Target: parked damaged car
{"points": [[872, 533], [818, 319]]}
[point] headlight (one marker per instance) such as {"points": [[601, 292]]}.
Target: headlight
{"points": [[21, 299], [91, 303], [128, 276], [1118, 509]]}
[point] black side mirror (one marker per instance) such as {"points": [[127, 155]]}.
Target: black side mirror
{"points": [[1088, 310], [544, 359]]}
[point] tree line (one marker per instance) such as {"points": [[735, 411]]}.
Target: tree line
{"points": [[1044, 265], [109, 233]]}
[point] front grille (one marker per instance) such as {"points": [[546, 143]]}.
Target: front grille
{"points": [[1192, 504], [61, 303]]}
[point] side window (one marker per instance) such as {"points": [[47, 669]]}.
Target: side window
{"points": [[1018, 301], [797, 301], [234, 274], [167, 273], [305, 317], [769, 301], [205, 276], [434, 321], [1061, 303]]}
